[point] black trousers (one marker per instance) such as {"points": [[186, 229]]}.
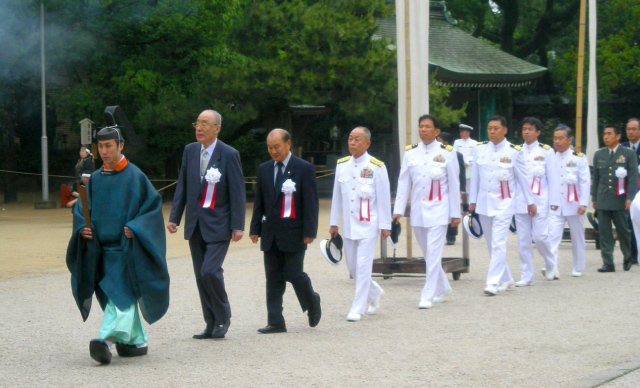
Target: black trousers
{"points": [[207, 266], [280, 268]]}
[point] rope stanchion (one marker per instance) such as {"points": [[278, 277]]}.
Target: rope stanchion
{"points": [[32, 173]]}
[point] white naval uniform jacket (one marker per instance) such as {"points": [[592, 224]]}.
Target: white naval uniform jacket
{"points": [[541, 157], [352, 175], [467, 147], [491, 162], [419, 163], [570, 163]]}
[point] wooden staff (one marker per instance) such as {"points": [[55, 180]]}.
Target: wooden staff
{"points": [[85, 207]]}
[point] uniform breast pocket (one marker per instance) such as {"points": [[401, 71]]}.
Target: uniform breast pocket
{"points": [[482, 161]]}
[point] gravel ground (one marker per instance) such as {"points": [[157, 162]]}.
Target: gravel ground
{"points": [[574, 332]]}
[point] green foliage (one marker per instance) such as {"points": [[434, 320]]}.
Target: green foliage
{"points": [[252, 152], [438, 104]]}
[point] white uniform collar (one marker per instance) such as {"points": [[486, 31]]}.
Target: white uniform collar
{"points": [[431, 146], [363, 158], [531, 146], [499, 145], [569, 151]]}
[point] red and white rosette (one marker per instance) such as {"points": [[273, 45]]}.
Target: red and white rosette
{"points": [[621, 188], [536, 182], [209, 196], [436, 176], [288, 209], [572, 192], [366, 193], [504, 184]]}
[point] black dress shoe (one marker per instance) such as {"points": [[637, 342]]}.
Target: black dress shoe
{"points": [[276, 328], [315, 312], [99, 351], [205, 334], [607, 268], [626, 265], [131, 350], [220, 330]]}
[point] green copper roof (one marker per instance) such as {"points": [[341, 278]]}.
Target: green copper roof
{"points": [[464, 61]]}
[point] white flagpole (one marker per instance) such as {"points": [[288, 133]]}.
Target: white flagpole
{"points": [[592, 107]]}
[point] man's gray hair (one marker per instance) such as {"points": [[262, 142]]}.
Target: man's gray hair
{"points": [[216, 116], [633, 119], [567, 131], [367, 133]]}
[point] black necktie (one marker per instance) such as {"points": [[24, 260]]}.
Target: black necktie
{"points": [[278, 175]]}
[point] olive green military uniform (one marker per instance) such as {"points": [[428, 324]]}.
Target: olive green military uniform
{"points": [[609, 205]]}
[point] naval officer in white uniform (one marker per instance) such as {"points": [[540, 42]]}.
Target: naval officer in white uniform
{"points": [[430, 172], [575, 183], [362, 196], [542, 182], [497, 171], [467, 147]]}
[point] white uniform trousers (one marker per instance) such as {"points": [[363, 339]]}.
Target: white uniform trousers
{"points": [[576, 226], [495, 233], [359, 256], [431, 241], [634, 213], [534, 228]]}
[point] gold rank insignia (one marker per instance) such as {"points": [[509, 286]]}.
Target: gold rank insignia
{"points": [[545, 146], [345, 159], [377, 162], [410, 147], [579, 154], [482, 142], [621, 159], [366, 173], [515, 147], [446, 147]]}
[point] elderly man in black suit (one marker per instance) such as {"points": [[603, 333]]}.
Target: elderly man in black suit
{"points": [[285, 217], [211, 187], [633, 134]]}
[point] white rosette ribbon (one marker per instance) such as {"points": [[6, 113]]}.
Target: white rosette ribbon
{"points": [[288, 208], [621, 188], [536, 182], [209, 196], [572, 192], [366, 193], [436, 176], [504, 184]]}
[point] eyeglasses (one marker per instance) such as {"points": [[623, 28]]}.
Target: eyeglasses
{"points": [[202, 125]]}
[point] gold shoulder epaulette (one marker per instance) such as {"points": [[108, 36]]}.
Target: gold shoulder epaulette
{"points": [[578, 154], [446, 147], [345, 159], [545, 146], [516, 147], [377, 162], [410, 147], [482, 142]]}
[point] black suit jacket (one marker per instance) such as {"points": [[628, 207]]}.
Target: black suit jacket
{"points": [[229, 209], [287, 233]]}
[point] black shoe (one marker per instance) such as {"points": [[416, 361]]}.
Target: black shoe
{"points": [[607, 268], [276, 328], [99, 351], [131, 350], [451, 242], [315, 312], [627, 265], [206, 334], [220, 330]]}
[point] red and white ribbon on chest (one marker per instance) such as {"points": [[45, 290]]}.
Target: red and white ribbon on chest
{"points": [[436, 176], [366, 193], [209, 195], [572, 192], [621, 174], [288, 209], [504, 184], [536, 182]]}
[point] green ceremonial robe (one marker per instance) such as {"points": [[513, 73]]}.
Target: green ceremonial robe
{"points": [[125, 271]]}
